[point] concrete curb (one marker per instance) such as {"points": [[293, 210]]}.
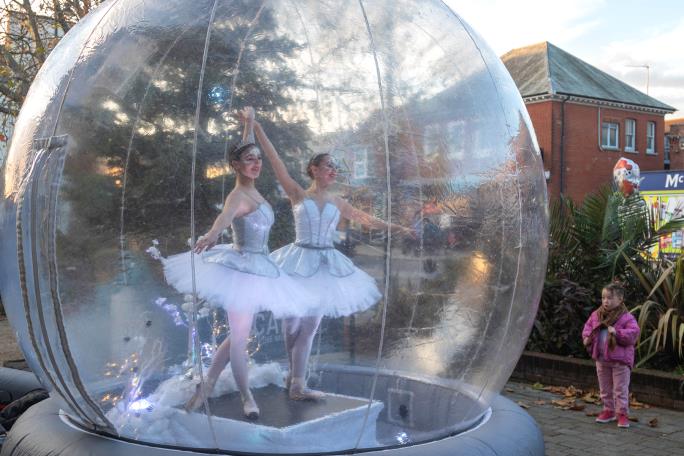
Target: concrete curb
{"points": [[649, 386]]}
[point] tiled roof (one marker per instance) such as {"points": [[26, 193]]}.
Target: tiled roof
{"points": [[544, 69]]}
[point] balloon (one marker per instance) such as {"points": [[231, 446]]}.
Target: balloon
{"points": [[626, 176]]}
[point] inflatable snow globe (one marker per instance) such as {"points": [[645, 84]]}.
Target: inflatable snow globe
{"points": [[121, 159]]}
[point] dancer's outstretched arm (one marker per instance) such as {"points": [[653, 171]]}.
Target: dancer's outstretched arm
{"points": [[350, 212], [233, 206], [246, 115], [294, 191]]}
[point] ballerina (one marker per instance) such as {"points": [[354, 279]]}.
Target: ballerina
{"points": [[239, 277], [342, 288]]}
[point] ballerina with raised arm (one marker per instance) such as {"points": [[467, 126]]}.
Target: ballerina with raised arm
{"points": [[240, 277], [342, 288]]}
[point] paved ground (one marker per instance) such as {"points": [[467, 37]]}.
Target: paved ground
{"points": [[566, 432], [574, 433]]}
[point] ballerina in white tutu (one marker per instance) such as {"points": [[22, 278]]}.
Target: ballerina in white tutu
{"points": [[239, 277], [313, 261]]}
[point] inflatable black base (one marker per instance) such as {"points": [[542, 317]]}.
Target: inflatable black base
{"points": [[43, 431]]}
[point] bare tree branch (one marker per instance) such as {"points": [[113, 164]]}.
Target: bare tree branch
{"points": [[76, 5], [41, 52], [14, 65], [27, 36], [10, 112], [59, 16], [12, 95]]}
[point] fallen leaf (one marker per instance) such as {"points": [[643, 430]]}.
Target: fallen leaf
{"points": [[510, 390], [540, 402], [591, 398], [538, 386], [592, 413], [564, 404], [577, 407], [633, 418], [523, 405], [633, 403], [571, 391], [653, 422], [554, 389]]}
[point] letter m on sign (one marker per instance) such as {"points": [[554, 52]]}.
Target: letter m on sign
{"points": [[671, 180]]}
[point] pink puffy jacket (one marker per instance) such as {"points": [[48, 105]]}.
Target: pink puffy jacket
{"points": [[626, 335]]}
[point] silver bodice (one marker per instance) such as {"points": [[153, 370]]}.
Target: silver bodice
{"points": [[249, 251], [315, 227], [250, 232], [313, 247]]}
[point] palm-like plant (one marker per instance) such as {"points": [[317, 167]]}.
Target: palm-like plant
{"points": [[611, 236], [661, 315]]}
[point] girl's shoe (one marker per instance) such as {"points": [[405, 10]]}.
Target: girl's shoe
{"points": [[623, 420], [250, 408], [605, 416], [299, 392]]}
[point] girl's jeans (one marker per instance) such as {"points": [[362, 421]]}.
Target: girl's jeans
{"points": [[614, 384]]}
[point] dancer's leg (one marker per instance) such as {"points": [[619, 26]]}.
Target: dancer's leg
{"points": [[301, 350], [218, 363], [290, 332], [240, 327]]}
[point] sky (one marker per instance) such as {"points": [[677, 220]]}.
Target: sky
{"points": [[616, 36]]}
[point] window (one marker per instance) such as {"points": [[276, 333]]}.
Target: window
{"points": [[433, 140], [667, 146], [360, 163], [456, 135], [666, 152], [609, 135], [650, 138], [630, 128]]}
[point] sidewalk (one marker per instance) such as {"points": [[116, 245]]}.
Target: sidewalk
{"points": [[574, 433], [566, 432]]}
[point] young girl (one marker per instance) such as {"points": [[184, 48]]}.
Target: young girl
{"points": [[239, 277], [314, 262], [610, 334]]}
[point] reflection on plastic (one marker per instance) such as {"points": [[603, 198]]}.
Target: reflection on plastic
{"points": [[429, 133]]}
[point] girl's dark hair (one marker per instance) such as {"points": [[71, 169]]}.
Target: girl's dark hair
{"points": [[616, 288], [237, 150], [315, 161]]}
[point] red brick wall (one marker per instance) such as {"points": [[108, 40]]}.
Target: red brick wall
{"points": [[541, 115], [586, 166], [676, 152]]}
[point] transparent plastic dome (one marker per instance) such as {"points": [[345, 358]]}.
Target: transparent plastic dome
{"points": [[118, 158]]}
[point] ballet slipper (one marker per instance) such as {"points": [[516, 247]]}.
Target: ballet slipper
{"points": [[249, 407], [197, 399], [299, 392]]}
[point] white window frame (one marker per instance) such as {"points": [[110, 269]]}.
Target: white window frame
{"points": [[456, 131], [650, 137], [360, 163], [630, 135], [606, 135], [433, 139]]}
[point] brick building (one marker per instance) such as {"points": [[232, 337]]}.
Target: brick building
{"points": [[585, 119], [674, 142]]}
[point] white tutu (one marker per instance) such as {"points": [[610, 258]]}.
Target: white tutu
{"points": [[342, 288], [230, 285]]}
